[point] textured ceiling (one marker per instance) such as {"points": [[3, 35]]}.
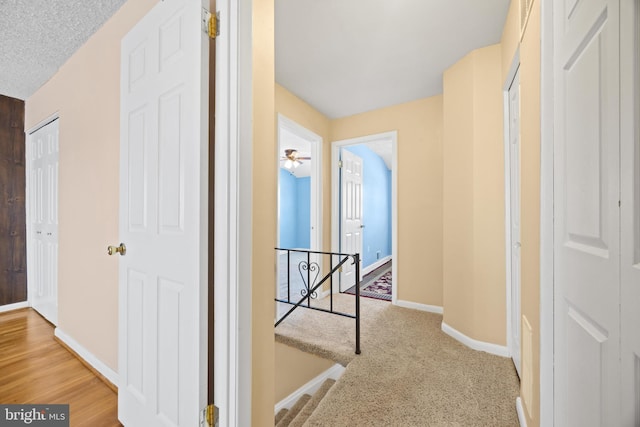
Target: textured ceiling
{"points": [[349, 56], [38, 36]]}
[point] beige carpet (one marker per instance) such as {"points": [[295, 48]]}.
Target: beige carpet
{"points": [[409, 373]]}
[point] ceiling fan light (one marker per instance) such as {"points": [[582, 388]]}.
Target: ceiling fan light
{"points": [[296, 163], [288, 164]]}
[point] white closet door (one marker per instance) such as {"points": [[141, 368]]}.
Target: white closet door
{"points": [[586, 219], [43, 205]]}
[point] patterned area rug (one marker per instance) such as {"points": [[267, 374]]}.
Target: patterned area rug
{"points": [[380, 288]]}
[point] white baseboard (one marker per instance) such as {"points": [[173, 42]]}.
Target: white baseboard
{"points": [[498, 350], [379, 263], [88, 357], [311, 387], [520, 410], [14, 306], [418, 306]]}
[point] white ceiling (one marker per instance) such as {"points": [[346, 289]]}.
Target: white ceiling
{"points": [[349, 56], [38, 36]]}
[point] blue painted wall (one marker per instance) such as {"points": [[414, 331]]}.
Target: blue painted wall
{"points": [[303, 212], [376, 205], [295, 209]]}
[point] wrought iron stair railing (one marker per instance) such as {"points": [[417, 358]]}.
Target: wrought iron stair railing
{"points": [[310, 269]]}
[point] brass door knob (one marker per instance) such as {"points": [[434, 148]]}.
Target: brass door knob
{"points": [[122, 249]]}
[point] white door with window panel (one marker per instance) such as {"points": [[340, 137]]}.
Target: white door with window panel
{"points": [[514, 186], [351, 215], [43, 206], [586, 217], [163, 218]]}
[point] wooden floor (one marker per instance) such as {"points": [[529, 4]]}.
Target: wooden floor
{"points": [[35, 369]]}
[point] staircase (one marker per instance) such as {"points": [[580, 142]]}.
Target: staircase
{"points": [[303, 408]]}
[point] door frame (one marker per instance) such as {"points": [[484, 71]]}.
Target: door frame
{"points": [[546, 396], [513, 69], [336, 146], [28, 188], [233, 213], [315, 243]]}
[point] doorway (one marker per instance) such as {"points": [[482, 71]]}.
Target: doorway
{"points": [[42, 213], [299, 206], [378, 226]]}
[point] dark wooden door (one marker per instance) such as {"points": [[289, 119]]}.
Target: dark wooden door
{"points": [[13, 254]]}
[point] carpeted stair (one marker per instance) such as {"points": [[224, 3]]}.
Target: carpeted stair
{"points": [[303, 408]]}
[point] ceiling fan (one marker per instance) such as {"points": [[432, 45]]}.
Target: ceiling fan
{"points": [[292, 158]]}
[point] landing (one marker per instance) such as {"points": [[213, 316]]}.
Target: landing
{"points": [[409, 373]]}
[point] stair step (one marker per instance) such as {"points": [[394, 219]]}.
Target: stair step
{"points": [[280, 415], [284, 422], [312, 404]]}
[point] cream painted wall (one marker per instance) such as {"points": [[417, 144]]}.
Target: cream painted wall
{"points": [[264, 213], [85, 93], [530, 182], [473, 199], [458, 249], [419, 126], [490, 311], [295, 368]]}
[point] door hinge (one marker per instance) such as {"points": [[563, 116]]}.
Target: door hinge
{"points": [[340, 163], [211, 23], [211, 416]]}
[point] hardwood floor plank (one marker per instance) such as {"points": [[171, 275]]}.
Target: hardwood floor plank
{"points": [[35, 368]]}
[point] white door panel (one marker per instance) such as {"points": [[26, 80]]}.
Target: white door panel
{"points": [[43, 192], [351, 215], [514, 185], [163, 216], [630, 211], [587, 223]]}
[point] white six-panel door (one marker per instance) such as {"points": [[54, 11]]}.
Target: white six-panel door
{"points": [[514, 186], [43, 206], [163, 218], [351, 215], [587, 220]]}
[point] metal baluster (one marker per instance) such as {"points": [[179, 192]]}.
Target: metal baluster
{"points": [[357, 260], [308, 279], [331, 282], [288, 275]]}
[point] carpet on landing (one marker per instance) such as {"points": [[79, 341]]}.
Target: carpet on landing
{"points": [[410, 373]]}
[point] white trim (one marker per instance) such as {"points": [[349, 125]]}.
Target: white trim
{"points": [[232, 224], [379, 263], [417, 306], [513, 70], [14, 306], [88, 357], [520, 410], [334, 372], [546, 217], [392, 136], [498, 350]]}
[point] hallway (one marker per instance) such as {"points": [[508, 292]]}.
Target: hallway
{"points": [[36, 369]]}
